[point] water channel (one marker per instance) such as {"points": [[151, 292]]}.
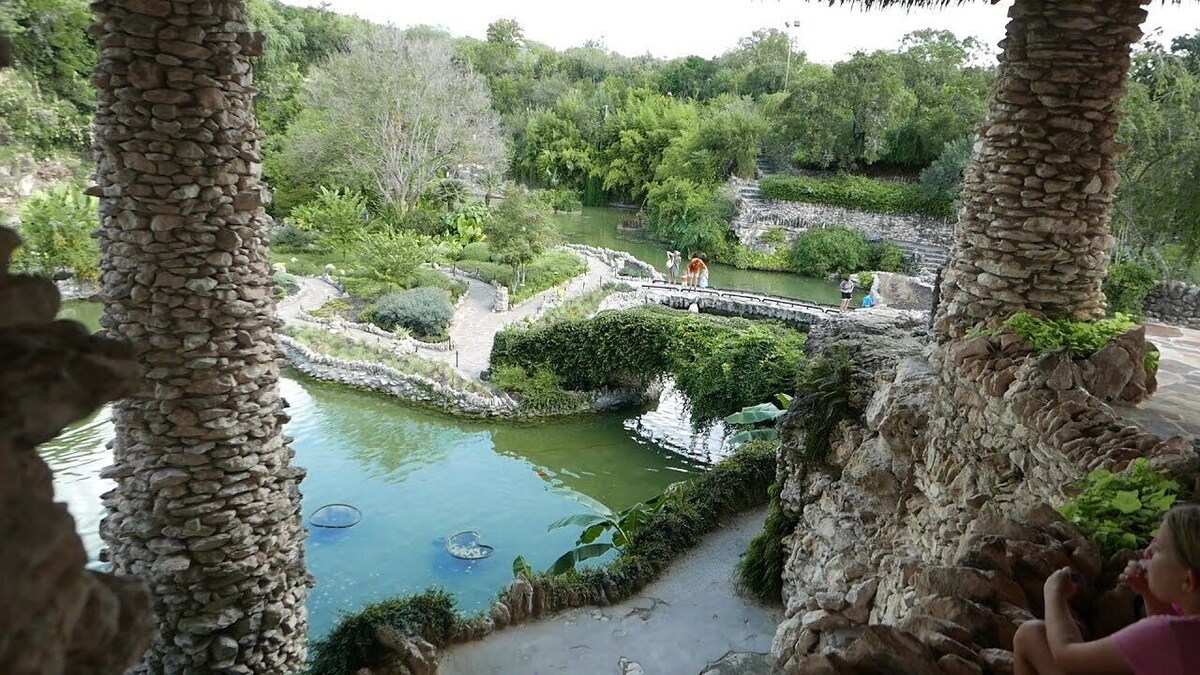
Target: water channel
{"points": [[597, 226], [419, 476]]}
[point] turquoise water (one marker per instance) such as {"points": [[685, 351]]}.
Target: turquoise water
{"points": [[418, 477], [597, 226]]}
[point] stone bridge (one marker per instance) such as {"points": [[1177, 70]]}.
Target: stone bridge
{"points": [[796, 313]]}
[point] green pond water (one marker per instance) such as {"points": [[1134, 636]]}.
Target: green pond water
{"points": [[418, 477], [597, 226]]}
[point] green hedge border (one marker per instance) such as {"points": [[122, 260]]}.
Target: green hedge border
{"points": [[857, 192], [732, 486]]}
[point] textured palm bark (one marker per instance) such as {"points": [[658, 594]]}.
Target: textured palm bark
{"points": [[207, 505], [1033, 230]]}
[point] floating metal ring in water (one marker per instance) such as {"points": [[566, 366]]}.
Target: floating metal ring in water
{"points": [[335, 516], [465, 546]]}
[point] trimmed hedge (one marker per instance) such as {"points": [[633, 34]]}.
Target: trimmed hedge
{"points": [[857, 192], [722, 364], [732, 486]]}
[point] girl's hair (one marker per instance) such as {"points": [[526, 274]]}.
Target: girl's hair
{"points": [[1183, 522]]}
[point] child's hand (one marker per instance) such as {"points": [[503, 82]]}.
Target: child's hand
{"points": [[1061, 584], [1134, 576]]}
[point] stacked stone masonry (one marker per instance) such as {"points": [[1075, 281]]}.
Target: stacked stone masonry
{"points": [[936, 522], [1033, 222], [207, 504], [56, 617], [1174, 303], [926, 239]]}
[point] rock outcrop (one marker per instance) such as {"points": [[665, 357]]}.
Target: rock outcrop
{"points": [[56, 616], [933, 517]]}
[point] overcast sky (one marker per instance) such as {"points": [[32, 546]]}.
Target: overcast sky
{"points": [[670, 28]]}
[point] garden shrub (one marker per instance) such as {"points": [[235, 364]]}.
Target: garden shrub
{"points": [[424, 311], [541, 393], [368, 289], [478, 251], [825, 396], [547, 271], [352, 645], [560, 199], [698, 507], [1122, 511], [775, 235], [56, 228], [1127, 286], [285, 284], [288, 238], [338, 218], [857, 192], [1081, 338], [337, 308], [722, 364], [943, 178], [888, 257], [491, 272], [425, 277], [866, 280], [761, 568], [820, 251]]}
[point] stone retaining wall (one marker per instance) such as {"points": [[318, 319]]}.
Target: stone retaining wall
{"points": [[756, 217], [420, 389], [622, 263], [1174, 303], [388, 380], [936, 520]]}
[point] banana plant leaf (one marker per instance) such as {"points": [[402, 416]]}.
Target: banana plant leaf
{"points": [[580, 519], [764, 412]]}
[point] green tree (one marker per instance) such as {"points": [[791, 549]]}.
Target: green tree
{"points": [[519, 229], [56, 228], [726, 141], [1158, 198], [389, 116], [338, 217], [392, 255], [51, 41], [950, 93], [635, 138]]}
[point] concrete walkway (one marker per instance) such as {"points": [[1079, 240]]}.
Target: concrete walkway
{"points": [[682, 624], [474, 326]]}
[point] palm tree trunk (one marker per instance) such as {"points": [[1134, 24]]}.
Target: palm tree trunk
{"points": [[207, 505], [1033, 229]]}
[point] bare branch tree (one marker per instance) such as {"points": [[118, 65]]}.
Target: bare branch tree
{"points": [[395, 113]]}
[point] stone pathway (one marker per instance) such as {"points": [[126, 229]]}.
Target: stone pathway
{"points": [[690, 621], [474, 325], [1174, 410]]}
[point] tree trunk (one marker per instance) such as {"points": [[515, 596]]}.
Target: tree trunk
{"points": [[1033, 230], [207, 505]]}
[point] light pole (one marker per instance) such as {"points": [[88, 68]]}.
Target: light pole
{"points": [[787, 73]]}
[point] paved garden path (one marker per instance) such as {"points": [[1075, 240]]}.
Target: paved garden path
{"points": [[474, 325], [684, 623], [1173, 409]]}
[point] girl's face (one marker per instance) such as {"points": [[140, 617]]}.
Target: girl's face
{"points": [[1168, 577]]}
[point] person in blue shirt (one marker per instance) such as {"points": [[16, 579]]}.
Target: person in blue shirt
{"points": [[868, 302]]}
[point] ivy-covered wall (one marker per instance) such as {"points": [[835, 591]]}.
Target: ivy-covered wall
{"points": [[722, 364]]}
